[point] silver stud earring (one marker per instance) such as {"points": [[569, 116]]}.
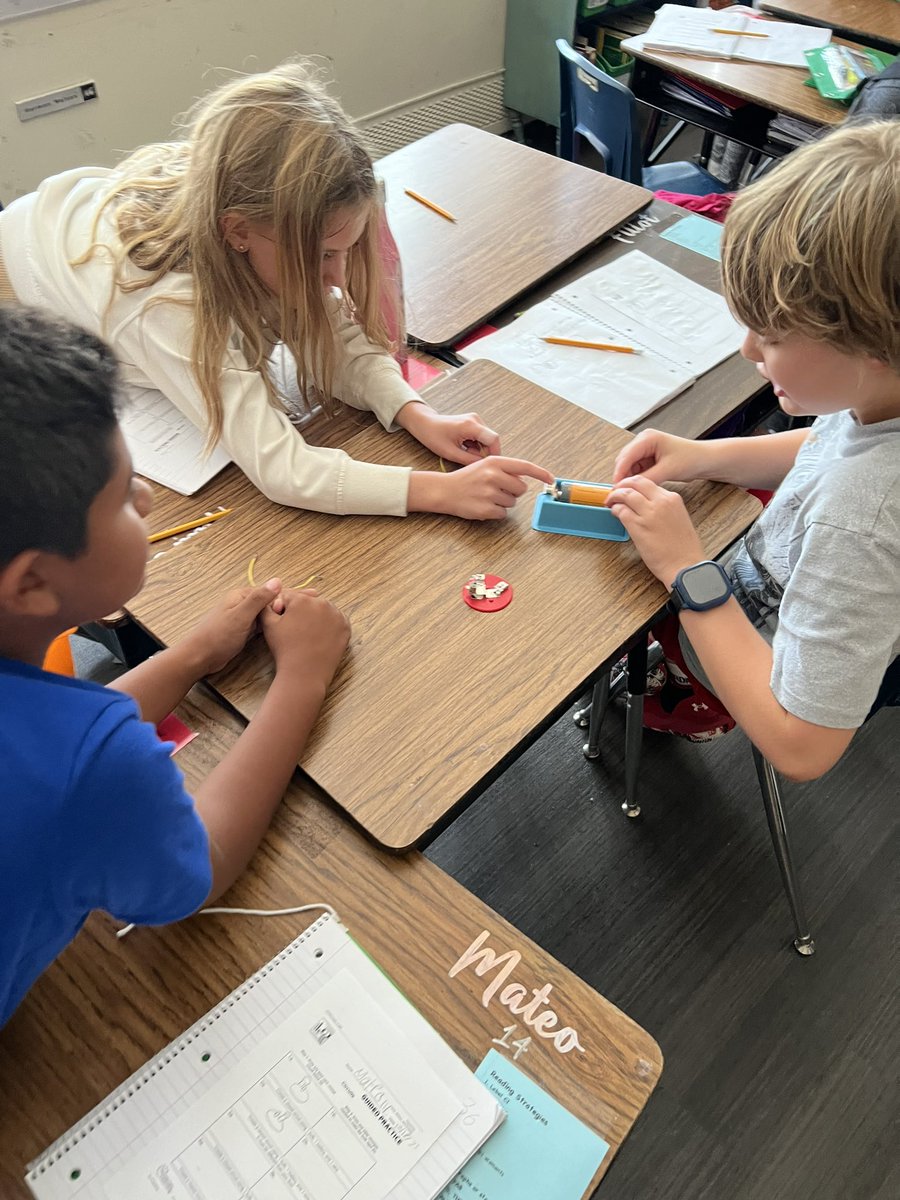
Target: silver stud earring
{"points": [[242, 249]]}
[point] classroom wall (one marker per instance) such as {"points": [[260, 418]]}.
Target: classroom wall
{"points": [[150, 58]]}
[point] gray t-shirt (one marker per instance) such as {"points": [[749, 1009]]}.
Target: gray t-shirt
{"points": [[819, 572]]}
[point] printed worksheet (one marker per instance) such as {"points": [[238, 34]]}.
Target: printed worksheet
{"points": [[164, 445], [336, 1104]]}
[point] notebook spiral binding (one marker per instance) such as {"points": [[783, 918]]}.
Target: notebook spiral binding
{"points": [[60, 1148]]}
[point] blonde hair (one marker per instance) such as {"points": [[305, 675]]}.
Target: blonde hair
{"points": [[275, 149], [813, 248]]}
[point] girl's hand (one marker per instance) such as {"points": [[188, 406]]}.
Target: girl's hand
{"points": [[659, 526], [659, 457], [460, 439], [484, 491]]}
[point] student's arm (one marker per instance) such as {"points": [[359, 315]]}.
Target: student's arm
{"points": [[162, 682], [238, 798], [757, 462], [738, 662], [736, 658]]}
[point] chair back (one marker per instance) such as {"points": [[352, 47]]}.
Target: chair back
{"points": [[595, 106]]}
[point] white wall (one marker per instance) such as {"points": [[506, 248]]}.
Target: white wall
{"points": [[149, 59]]}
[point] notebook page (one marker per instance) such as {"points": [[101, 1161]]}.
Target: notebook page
{"points": [[164, 445], [621, 388], [167, 1086], [333, 1103], [681, 30], [681, 328], [677, 319], [784, 44]]}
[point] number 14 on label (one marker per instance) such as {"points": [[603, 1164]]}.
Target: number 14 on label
{"points": [[520, 1045]]}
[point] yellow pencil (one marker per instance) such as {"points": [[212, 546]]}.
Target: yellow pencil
{"points": [[442, 212], [167, 533], [558, 341], [738, 33]]}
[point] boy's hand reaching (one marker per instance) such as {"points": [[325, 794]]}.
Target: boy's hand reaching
{"points": [[659, 457], [460, 439], [224, 632], [659, 525], [307, 638]]}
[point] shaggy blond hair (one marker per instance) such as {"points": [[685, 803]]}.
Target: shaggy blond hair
{"points": [[813, 248], [275, 149]]}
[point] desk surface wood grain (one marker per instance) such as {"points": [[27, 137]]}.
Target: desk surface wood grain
{"points": [[781, 89], [520, 215], [432, 698], [106, 1006], [879, 19]]}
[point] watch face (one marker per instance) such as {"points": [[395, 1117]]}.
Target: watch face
{"points": [[704, 583]]}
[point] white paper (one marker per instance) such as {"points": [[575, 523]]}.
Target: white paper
{"points": [[681, 328], [334, 1104], [681, 30], [156, 1098], [164, 445]]}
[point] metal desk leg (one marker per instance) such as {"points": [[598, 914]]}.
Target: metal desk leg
{"points": [[634, 723], [597, 711]]}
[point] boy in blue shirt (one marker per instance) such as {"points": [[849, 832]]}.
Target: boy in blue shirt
{"points": [[93, 812], [811, 265]]}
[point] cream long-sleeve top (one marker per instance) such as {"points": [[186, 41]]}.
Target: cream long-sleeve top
{"points": [[150, 330]]}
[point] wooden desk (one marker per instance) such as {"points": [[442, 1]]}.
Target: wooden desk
{"points": [[520, 214], [433, 699], [718, 394], [867, 20], [106, 1006], [769, 90]]}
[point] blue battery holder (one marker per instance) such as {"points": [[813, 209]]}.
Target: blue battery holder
{"points": [[579, 520]]}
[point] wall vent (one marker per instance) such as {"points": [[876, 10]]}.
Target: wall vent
{"points": [[479, 103]]}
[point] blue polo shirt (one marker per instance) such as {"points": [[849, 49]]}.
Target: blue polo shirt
{"points": [[93, 814]]}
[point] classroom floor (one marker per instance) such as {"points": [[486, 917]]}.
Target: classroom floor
{"points": [[779, 1077]]}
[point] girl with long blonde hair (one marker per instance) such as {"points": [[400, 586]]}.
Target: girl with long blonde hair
{"points": [[248, 245]]}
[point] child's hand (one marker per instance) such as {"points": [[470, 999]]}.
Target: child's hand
{"points": [[659, 457], [484, 491], [307, 638], [223, 633], [659, 526], [460, 439]]}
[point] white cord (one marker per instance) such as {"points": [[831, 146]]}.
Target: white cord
{"points": [[250, 912]]}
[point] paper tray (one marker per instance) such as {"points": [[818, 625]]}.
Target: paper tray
{"points": [[580, 520]]}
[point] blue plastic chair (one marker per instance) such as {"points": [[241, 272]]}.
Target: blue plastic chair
{"points": [[598, 108]]}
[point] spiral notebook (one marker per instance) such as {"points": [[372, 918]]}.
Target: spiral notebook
{"points": [[315, 1078], [679, 328]]}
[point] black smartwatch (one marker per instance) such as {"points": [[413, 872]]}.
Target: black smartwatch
{"points": [[702, 586]]}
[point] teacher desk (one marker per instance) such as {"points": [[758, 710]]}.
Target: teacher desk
{"points": [[106, 1006], [433, 700], [519, 214]]}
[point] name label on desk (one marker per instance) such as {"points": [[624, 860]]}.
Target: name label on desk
{"points": [[514, 996]]}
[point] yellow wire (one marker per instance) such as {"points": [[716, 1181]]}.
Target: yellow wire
{"points": [[252, 581]]}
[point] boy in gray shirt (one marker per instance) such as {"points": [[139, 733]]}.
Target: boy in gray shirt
{"points": [[811, 265]]}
